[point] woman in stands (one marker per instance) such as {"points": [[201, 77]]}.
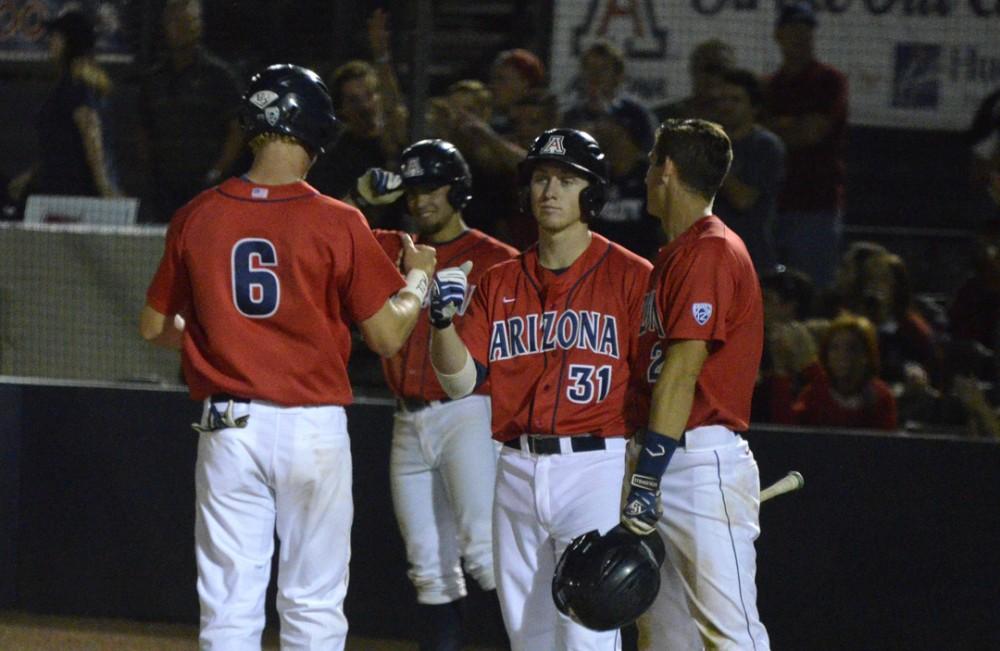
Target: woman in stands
{"points": [[849, 392], [73, 154]]}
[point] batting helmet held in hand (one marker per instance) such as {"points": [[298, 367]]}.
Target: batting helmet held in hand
{"points": [[434, 163], [606, 582], [577, 150], [292, 101]]}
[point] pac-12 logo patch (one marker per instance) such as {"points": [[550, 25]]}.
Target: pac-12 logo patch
{"points": [[702, 312], [412, 168], [554, 146], [271, 114], [262, 98]]}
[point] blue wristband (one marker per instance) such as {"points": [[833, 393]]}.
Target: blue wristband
{"points": [[655, 456]]}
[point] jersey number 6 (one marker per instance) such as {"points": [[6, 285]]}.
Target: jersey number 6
{"points": [[256, 290]]}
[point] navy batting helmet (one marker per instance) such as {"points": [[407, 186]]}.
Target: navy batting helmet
{"points": [[577, 150], [435, 163], [606, 582], [290, 100]]}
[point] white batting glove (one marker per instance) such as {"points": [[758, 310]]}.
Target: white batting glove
{"points": [[377, 187], [448, 294]]}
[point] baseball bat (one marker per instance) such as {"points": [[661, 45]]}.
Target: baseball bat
{"points": [[793, 481]]}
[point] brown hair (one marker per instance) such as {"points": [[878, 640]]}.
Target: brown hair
{"points": [[859, 326], [701, 151], [608, 50], [527, 64], [356, 69]]}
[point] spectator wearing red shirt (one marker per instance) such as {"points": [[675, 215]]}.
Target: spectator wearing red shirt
{"points": [[807, 108], [849, 393]]}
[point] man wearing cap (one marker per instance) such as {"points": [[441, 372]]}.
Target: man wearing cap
{"points": [[807, 108]]}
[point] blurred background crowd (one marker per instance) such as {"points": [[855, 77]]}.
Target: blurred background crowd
{"points": [[868, 324]]}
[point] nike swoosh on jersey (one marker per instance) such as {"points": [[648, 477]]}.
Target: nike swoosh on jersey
{"points": [[508, 300]]}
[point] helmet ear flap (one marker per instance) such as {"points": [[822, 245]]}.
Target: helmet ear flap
{"points": [[592, 200]]}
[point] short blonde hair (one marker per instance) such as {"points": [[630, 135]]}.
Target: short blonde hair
{"points": [[258, 141]]}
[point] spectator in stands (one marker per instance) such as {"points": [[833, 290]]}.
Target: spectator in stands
{"points": [[514, 74], [624, 128], [849, 392], [369, 105], [706, 64], [74, 157], [881, 293], [190, 132], [517, 81], [974, 313], [807, 108], [790, 360], [747, 200]]}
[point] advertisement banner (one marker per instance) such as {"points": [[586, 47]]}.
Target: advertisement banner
{"points": [[23, 36], [921, 64]]}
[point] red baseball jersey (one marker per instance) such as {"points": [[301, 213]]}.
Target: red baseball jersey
{"points": [[704, 287], [268, 279], [409, 373], [558, 345]]}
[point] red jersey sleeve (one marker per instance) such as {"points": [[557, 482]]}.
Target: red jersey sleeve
{"points": [[698, 293], [170, 290], [372, 277]]}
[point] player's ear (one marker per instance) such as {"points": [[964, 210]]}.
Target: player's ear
{"points": [[669, 171]]}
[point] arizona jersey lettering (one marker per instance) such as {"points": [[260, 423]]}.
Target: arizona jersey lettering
{"points": [[540, 333]]}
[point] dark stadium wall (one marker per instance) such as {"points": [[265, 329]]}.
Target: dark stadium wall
{"points": [[894, 542]]}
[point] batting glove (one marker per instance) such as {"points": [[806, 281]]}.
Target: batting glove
{"points": [[448, 294], [642, 506], [214, 421], [377, 187]]}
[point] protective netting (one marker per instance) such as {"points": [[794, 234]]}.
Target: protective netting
{"points": [[70, 296]]}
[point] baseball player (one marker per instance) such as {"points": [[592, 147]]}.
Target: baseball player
{"points": [[555, 330], [695, 479], [258, 286], [443, 460]]}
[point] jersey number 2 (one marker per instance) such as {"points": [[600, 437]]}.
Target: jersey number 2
{"points": [[256, 290]]}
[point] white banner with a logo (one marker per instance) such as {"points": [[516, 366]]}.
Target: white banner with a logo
{"points": [[922, 64]]}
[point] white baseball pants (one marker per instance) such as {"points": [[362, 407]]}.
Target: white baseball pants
{"points": [[442, 468], [708, 593], [542, 502], [288, 470]]}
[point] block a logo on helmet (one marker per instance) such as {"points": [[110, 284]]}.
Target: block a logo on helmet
{"points": [[554, 146], [289, 100], [412, 168]]}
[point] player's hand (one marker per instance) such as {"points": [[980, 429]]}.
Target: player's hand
{"points": [[418, 256], [448, 294], [642, 507], [377, 187]]}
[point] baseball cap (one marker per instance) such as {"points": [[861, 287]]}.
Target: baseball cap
{"points": [[798, 13]]}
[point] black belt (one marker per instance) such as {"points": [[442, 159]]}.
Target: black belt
{"points": [[550, 445], [416, 404], [226, 397]]}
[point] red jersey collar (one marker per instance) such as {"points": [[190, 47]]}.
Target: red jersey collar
{"points": [[692, 232], [239, 188], [598, 246]]}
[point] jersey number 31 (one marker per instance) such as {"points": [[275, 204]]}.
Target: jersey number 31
{"points": [[256, 290]]}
